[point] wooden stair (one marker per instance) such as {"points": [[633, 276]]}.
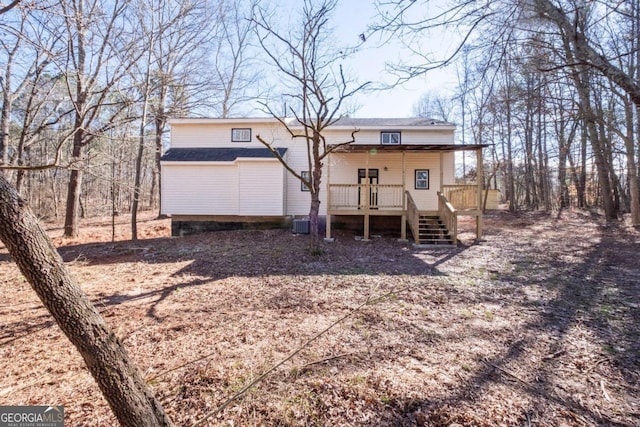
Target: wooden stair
{"points": [[431, 231]]}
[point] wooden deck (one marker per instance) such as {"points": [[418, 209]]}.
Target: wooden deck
{"points": [[393, 200]]}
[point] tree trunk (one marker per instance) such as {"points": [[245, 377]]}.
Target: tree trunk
{"points": [[582, 80], [563, 189], [314, 210], [136, 185], [7, 105], [71, 220], [584, 202], [632, 168], [156, 183], [511, 187], [71, 223], [599, 152], [564, 146], [4, 127], [119, 380], [634, 186]]}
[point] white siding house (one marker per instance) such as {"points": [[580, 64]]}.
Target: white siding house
{"points": [[217, 172]]}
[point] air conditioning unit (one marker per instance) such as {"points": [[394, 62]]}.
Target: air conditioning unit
{"points": [[301, 226]]}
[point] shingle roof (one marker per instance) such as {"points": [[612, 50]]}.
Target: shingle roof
{"points": [[381, 122], [217, 154], [399, 122]]}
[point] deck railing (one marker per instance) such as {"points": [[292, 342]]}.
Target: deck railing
{"points": [[462, 197], [413, 217], [362, 196], [449, 215]]}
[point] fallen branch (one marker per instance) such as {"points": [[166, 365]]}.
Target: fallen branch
{"points": [[175, 368], [508, 373], [554, 355], [326, 359], [262, 376], [604, 391], [543, 393]]}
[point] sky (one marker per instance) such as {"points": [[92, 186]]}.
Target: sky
{"points": [[369, 63], [351, 19]]}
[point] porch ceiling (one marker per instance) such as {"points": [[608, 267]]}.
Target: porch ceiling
{"points": [[354, 148]]}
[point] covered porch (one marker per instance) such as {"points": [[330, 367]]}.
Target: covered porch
{"points": [[369, 197]]}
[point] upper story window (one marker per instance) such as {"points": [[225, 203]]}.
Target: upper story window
{"points": [[241, 135], [306, 175], [390, 138]]}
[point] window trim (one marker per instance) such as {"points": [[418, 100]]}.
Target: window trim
{"points": [[384, 133], [236, 138], [305, 175], [415, 181]]}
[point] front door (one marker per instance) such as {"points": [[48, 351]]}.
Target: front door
{"points": [[372, 195]]}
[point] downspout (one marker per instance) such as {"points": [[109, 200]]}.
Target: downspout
{"points": [[480, 179], [367, 195], [328, 220], [441, 169], [404, 181], [403, 224]]}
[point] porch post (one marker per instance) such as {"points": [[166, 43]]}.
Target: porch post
{"points": [[404, 181], [367, 187], [328, 186], [480, 179], [366, 226], [403, 225], [441, 170], [367, 195], [328, 221]]}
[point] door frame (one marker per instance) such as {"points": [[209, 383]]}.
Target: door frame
{"points": [[374, 180]]}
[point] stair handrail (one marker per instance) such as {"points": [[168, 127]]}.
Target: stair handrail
{"points": [[449, 216], [413, 217]]}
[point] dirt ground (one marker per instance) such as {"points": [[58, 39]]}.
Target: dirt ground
{"points": [[536, 325]]}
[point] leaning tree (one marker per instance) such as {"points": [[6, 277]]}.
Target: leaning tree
{"points": [[315, 86], [121, 383]]}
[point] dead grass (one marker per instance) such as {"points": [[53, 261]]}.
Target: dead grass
{"points": [[534, 326]]}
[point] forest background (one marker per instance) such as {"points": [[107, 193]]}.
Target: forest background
{"points": [[88, 88]]}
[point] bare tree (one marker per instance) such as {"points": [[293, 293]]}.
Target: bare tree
{"points": [[8, 7], [238, 82], [434, 106], [582, 49], [10, 48], [100, 53], [150, 32], [118, 378], [34, 107], [564, 40], [180, 77], [316, 88]]}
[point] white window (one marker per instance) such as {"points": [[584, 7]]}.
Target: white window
{"points": [[390, 138], [241, 135], [422, 179], [306, 175]]}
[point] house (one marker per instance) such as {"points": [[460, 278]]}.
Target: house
{"points": [[397, 172]]}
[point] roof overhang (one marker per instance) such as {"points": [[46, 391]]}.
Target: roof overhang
{"points": [[229, 121], [359, 148], [186, 155], [381, 124]]}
